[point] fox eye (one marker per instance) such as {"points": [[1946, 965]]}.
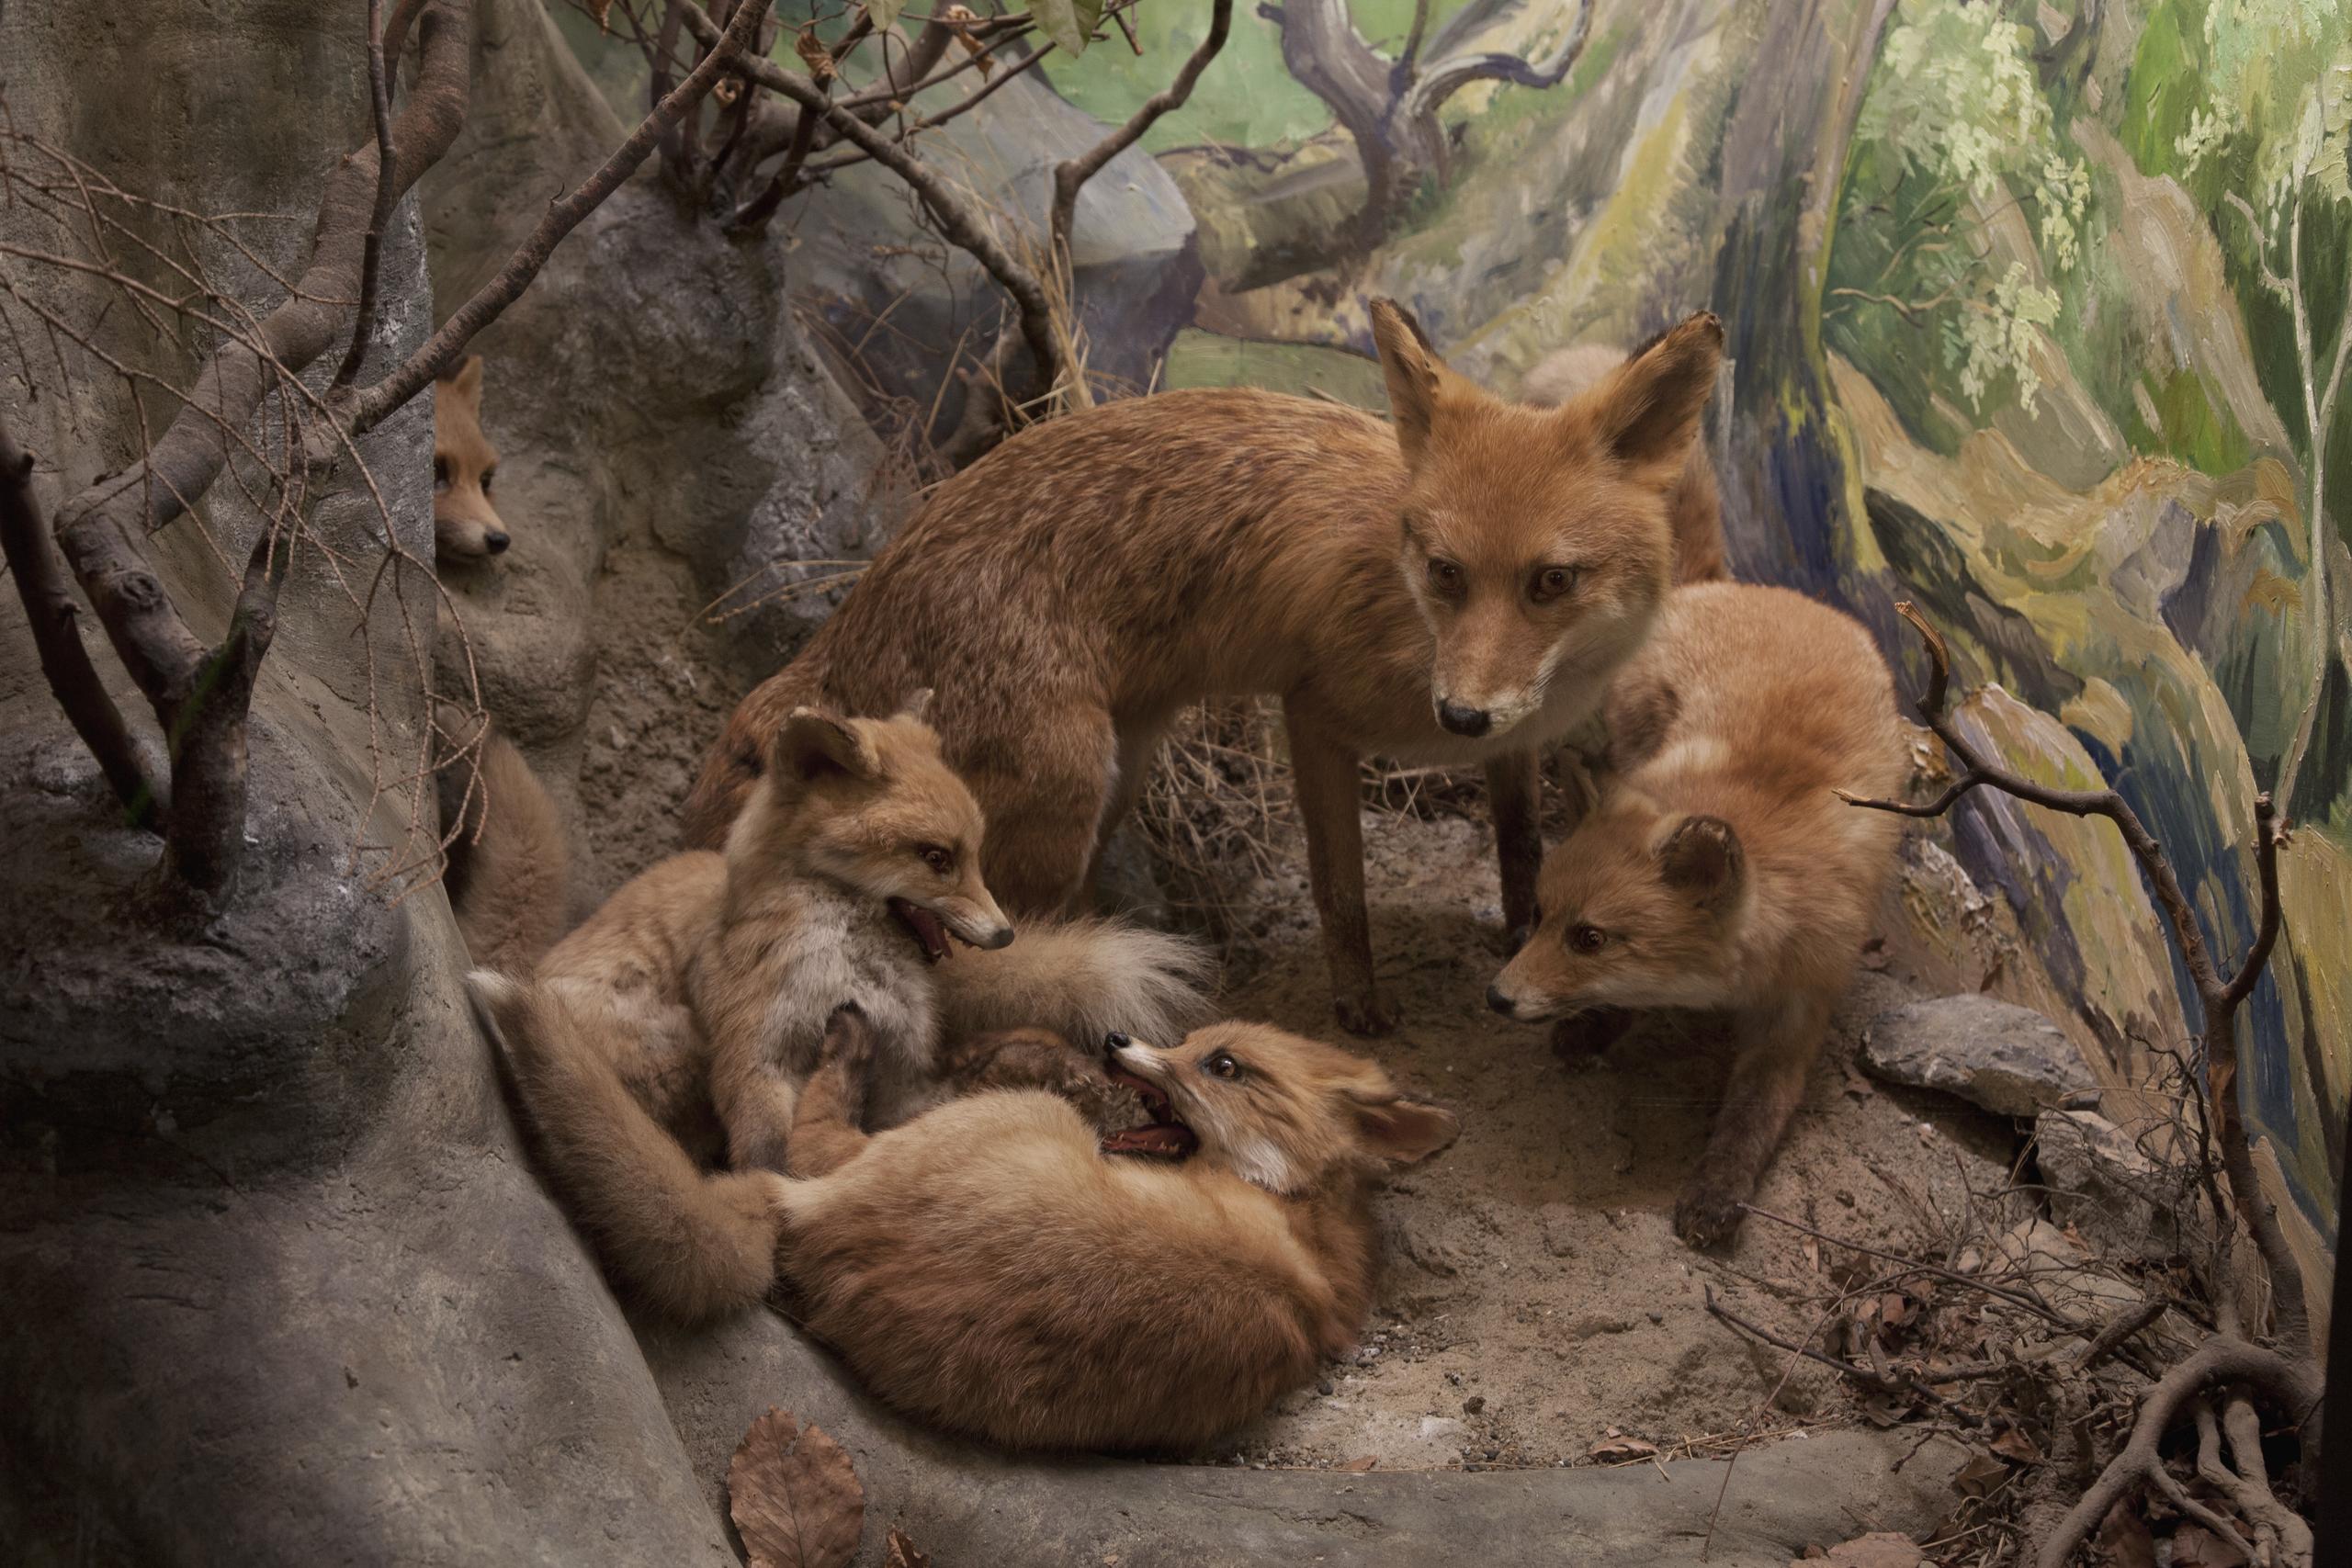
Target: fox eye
{"points": [[1444, 576], [487, 475], [1588, 939], [440, 473], [1222, 1065], [1551, 582], [939, 859]]}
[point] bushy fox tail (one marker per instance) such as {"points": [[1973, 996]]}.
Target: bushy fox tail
{"points": [[1081, 978], [509, 875], [693, 1245]]}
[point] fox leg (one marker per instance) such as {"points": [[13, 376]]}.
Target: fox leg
{"points": [[756, 1104], [1138, 746], [1323, 770], [1046, 809], [826, 1124], [1514, 794], [1767, 1084]]}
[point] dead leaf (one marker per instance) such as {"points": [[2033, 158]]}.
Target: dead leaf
{"points": [[2194, 1546], [2124, 1537], [814, 55], [1812, 1250], [904, 1553], [794, 1495], [2014, 1444], [1980, 1475], [1362, 1463], [1857, 1085], [961, 18], [1894, 1309], [1618, 1450], [1880, 1549], [600, 11]]}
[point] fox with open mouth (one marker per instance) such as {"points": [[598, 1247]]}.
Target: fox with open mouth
{"points": [[707, 980], [998, 1266]]}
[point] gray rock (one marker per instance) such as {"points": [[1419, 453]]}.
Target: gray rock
{"points": [[2009, 1059], [2121, 1200], [862, 257]]}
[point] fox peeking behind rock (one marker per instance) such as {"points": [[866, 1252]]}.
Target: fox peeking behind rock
{"points": [[1720, 869], [707, 981], [465, 526], [1456, 587], [997, 1267]]}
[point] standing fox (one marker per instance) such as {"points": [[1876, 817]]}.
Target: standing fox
{"points": [[707, 980], [1457, 588], [1721, 869], [995, 1267]]}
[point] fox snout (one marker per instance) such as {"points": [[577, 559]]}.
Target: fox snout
{"points": [[977, 923], [1461, 718]]}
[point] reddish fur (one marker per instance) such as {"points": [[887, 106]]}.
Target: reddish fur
{"points": [[509, 875], [1724, 870], [986, 1267], [465, 526], [1069, 594]]}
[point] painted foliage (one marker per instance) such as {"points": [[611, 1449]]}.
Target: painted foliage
{"points": [[2038, 315]]}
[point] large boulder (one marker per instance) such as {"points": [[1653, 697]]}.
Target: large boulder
{"points": [[2009, 1059], [907, 309]]}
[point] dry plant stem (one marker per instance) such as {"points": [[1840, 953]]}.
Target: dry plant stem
{"points": [[51, 608], [441, 351], [101, 530], [1893, 1383], [2293, 1388], [1071, 174], [381, 95], [2027, 1303], [2218, 997]]}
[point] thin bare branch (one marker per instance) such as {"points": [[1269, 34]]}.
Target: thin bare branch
{"points": [[1071, 174], [380, 217], [49, 606]]}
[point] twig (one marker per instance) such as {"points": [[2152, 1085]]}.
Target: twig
{"points": [[1886, 1383], [2014, 1298], [380, 217]]}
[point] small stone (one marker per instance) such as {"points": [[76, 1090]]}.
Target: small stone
{"points": [[1325, 1388], [1658, 1317], [1472, 1405], [2009, 1059]]}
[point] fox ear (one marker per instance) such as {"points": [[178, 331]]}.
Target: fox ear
{"points": [[1416, 376], [1649, 412], [465, 382], [1701, 857], [813, 743], [918, 706], [1402, 1131]]}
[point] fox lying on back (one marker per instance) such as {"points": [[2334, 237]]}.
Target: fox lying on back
{"points": [[995, 1267], [1720, 869]]}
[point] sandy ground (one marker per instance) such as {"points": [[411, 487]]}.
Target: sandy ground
{"points": [[1537, 1301]]}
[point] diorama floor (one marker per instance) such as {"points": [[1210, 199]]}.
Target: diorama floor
{"points": [[1538, 1309]]}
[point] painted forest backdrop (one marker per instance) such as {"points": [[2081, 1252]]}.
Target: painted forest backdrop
{"points": [[2037, 318]]}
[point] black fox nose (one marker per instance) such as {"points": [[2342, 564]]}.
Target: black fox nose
{"points": [[1116, 1040], [496, 543], [1462, 720], [1497, 1000]]}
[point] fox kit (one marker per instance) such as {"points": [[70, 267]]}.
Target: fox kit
{"points": [[709, 978], [1455, 588], [1694, 510], [995, 1267], [1720, 870], [465, 528]]}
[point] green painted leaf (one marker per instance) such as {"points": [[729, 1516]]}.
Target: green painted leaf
{"points": [[1067, 22], [884, 12]]}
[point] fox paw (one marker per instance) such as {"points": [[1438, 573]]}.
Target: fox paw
{"points": [[1707, 1220], [1367, 1014]]}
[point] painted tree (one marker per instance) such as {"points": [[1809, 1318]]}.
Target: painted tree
{"points": [[1389, 106], [1957, 114], [2278, 123]]}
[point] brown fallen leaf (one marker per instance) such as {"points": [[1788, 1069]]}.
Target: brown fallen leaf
{"points": [[1880, 1549], [1619, 1451], [1980, 1475], [905, 1553], [794, 1495], [2014, 1444], [2124, 1537], [1362, 1463]]}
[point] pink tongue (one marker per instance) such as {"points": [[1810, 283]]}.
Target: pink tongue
{"points": [[1159, 1138]]}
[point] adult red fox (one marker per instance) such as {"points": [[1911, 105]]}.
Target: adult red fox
{"points": [[1720, 870], [997, 1267], [1456, 588]]}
